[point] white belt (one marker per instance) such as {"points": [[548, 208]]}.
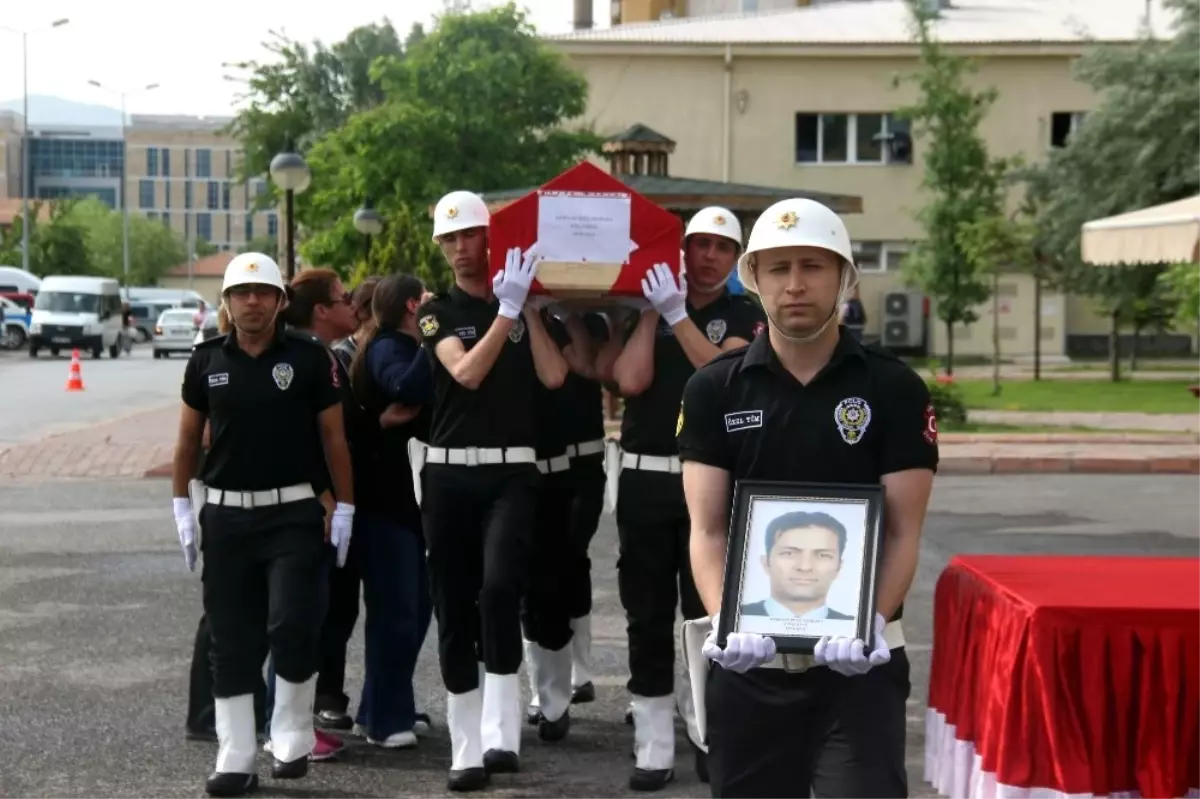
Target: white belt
{"points": [[651, 463], [559, 463], [258, 499], [480, 456], [585, 448]]}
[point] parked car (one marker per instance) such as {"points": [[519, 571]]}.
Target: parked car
{"points": [[174, 332], [14, 324]]}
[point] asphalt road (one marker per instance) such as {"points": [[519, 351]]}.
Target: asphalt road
{"points": [[34, 404], [97, 615]]}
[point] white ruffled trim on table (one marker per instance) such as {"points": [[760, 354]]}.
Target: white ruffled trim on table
{"points": [[954, 769]]}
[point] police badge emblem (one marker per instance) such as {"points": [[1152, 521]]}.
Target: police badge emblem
{"points": [[518, 331], [429, 325], [283, 374], [852, 415], [716, 330]]}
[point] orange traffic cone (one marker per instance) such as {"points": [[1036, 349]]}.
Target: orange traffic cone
{"points": [[75, 376]]}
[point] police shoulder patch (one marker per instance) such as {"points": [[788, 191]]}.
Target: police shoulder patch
{"points": [[429, 325], [679, 423]]}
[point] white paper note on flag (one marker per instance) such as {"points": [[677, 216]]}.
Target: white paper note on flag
{"points": [[584, 227]]}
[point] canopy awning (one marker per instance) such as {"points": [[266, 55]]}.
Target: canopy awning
{"points": [[1168, 233]]}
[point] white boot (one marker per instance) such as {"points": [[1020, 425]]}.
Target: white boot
{"points": [[292, 734], [581, 651], [534, 709], [237, 745], [501, 722], [654, 732], [553, 671], [463, 714]]}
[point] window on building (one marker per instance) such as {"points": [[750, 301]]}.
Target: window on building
{"points": [[151, 162], [228, 227], [187, 163], [204, 226], [228, 163], [145, 193], [166, 192], [868, 256], [214, 195], [1062, 125], [187, 194], [225, 195], [152, 216], [166, 161], [249, 228], [852, 139], [204, 163], [166, 220], [273, 225]]}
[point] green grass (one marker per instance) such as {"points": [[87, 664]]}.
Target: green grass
{"points": [[1146, 396]]}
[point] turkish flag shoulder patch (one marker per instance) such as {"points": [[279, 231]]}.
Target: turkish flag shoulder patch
{"points": [[930, 432]]}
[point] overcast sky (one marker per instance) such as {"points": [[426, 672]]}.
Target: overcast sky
{"points": [[128, 44]]}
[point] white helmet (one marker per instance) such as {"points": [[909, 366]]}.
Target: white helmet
{"points": [[716, 221], [795, 223], [459, 210], [252, 267]]}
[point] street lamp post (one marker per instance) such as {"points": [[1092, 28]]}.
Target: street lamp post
{"points": [[290, 173], [368, 222], [25, 179], [124, 174]]}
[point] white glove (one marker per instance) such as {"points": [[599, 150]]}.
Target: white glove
{"points": [[668, 297], [339, 532], [742, 652], [186, 529], [511, 284], [845, 655]]}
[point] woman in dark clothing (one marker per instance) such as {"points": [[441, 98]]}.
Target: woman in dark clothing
{"points": [[391, 367]]}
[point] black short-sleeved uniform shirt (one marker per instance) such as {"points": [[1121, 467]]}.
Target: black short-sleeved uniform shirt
{"points": [[580, 407], [865, 415], [648, 426], [262, 412], [500, 413]]}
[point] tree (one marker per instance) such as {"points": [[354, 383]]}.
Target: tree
{"points": [[264, 244], [153, 247], [1183, 282], [1136, 149], [479, 104], [57, 246], [964, 183]]}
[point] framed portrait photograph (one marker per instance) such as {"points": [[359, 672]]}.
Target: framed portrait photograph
{"points": [[802, 562]]}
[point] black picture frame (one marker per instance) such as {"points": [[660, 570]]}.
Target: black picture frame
{"points": [[745, 494]]}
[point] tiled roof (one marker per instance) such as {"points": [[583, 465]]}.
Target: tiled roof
{"points": [[208, 266], [882, 22], [10, 209]]}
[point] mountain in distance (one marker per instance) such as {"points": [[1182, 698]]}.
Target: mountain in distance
{"points": [[49, 110]]}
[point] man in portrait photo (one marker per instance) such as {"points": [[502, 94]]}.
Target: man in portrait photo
{"points": [[803, 557]]}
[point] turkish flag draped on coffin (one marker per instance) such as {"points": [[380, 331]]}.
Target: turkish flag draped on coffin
{"points": [[597, 223]]}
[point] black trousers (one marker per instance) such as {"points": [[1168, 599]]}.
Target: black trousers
{"points": [[653, 574], [263, 569], [545, 614], [478, 524], [340, 617], [201, 713], [775, 734], [587, 503]]}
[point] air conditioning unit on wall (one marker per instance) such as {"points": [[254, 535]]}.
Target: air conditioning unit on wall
{"points": [[903, 319]]}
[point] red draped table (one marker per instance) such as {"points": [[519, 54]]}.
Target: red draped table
{"points": [[1065, 676]]}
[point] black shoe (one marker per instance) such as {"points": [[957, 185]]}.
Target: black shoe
{"points": [[200, 734], [468, 779], [650, 780], [552, 731], [629, 717], [230, 784], [583, 694], [422, 723], [290, 771], [333, 720], [701, 758], [498, 761]]}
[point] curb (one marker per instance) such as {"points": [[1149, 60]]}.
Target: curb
{"points": [[1033, 464], [162, 470]]}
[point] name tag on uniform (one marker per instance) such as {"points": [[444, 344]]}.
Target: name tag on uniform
{"points": [[465, 332], [221, 379], [743, 420]]}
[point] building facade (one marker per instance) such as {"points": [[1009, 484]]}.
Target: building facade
{"points": [[182, 171], [807, 98]]}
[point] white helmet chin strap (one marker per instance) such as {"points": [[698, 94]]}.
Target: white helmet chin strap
{"points": [[849, 281]]}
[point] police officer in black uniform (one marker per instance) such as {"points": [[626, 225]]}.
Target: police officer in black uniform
{"points": [[690, 322], [479, 482], [807, 403], [272, 400]]}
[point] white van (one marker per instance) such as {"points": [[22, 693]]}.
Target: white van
{"points": [[83, 312], [18, 281]]}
